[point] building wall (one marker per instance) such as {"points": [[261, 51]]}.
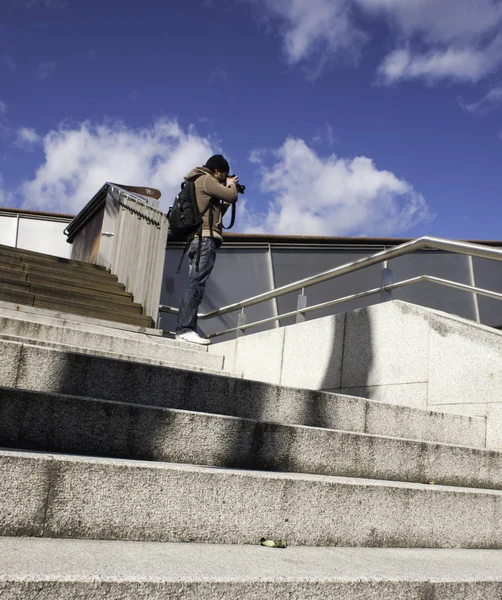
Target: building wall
{"points": [[243, 270], [35, 232]]}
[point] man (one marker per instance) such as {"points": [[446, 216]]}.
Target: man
{"points": [[213, 187]]}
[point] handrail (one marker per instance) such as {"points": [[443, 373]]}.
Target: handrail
{"points": [[390, 287], [467, 248]]}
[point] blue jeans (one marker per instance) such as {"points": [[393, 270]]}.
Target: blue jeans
{"points": [[194, 291]]}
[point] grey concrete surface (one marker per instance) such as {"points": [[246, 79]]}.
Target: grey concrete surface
{"points": [[414, 394], [74, 569], [387, 344], [400, 353], [154, 354], [465, 362], [266, 366], [137, 501], [23, 494], [47, 370], [48, 422], [30, 326], [303, 365], [494, 430]]}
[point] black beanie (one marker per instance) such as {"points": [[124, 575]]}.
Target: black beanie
{"points": [[218, 162]]}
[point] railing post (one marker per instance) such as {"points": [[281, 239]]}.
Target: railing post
{"points": [[387, 279], [300, 305], [241, 321]]}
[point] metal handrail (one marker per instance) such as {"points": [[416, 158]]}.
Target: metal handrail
{"points": [[467, 248], [389, 288]]}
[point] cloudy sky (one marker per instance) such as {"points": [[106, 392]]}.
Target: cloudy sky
{"points": [[341, 117]]}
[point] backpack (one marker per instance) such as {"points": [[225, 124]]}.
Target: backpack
{"points": [[185, 218]]}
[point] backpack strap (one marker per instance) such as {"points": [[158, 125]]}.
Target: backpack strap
{"points": [[232, 218]]}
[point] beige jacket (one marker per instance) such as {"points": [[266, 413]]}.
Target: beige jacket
{"points": [[209, 190]]}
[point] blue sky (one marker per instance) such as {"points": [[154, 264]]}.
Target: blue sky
{"points": [[341, 117]]}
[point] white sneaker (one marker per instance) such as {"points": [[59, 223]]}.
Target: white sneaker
{"points": [[193, 337]]}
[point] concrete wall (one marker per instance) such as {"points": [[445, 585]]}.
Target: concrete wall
{"points": [[395, 352]]}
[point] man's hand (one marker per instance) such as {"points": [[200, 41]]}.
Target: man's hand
{"points": [[234, 180]]}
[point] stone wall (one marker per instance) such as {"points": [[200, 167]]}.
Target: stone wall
{"points": [[394, 352]]}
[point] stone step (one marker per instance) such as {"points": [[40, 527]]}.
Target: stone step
{"points": [[26, 262], [69, 272], [38, 332], [75, 294], [21, 253], [54, 277], [176, 357], [43, 369], [20, 278], [73, 425], [92, 284], [117, 313], [39, 324], [48, 569], [63, 496], [21, 290], [77, 321]]}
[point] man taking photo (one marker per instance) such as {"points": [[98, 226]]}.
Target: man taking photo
{"points": [[214, 190]]}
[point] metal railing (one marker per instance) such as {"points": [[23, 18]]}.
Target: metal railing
{"points": [[466, 248]]}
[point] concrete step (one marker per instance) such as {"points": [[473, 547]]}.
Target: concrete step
{"points": [[21, 253], [84, 426], [152, 354], [69, 272], [25, 292], [78, 321], [48, 569], [43, 324], [63, 496], [71, 293], [118, 313], [44, 369], [100, 341], [88, 284]]}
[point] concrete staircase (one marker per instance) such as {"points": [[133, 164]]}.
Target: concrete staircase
{"points": [[68, 286], [134, 467]]}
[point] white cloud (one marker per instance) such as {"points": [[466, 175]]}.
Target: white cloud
{"points": [[27, 138], [257, 155], [453, 37], [465, 64], [3, 107], [435, 39], [321, 27], [334, 196], [439, 21], [81, 158], [490, 102]]}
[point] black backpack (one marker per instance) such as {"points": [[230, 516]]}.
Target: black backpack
{"points": [[185, 218]]}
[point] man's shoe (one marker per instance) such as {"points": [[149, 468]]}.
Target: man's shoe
{"points": [[193, 337]]}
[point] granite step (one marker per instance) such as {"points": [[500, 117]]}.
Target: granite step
{"points": [[85, 426], [179, 356], [50, 370], [47, 569], [63, 496]]}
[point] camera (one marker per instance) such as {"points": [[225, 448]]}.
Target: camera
{"points": [[240, 188]]}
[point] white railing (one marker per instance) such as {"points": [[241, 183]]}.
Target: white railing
{"points": [[469, 249]]}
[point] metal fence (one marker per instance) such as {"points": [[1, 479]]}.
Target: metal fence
{"points": [[385, 288]]}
